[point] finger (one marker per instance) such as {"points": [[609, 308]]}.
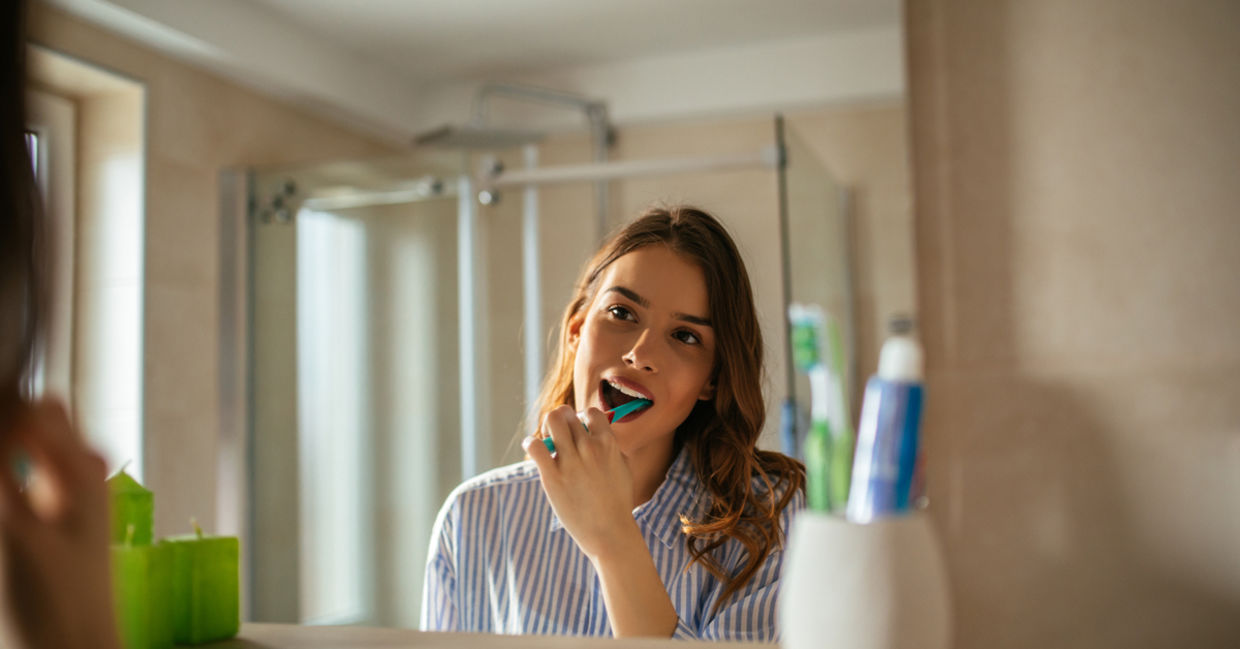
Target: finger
{"points": [[537, 451], [600, 436], [45, 433], [599, 422], [14, 507], [55, 422], [15, 512], [18, 524], [576, 423], [96, 467], [68, 476], [86, 466], [557, 427]]}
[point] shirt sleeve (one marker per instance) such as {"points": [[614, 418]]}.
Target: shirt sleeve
{"points": [[439, 594]]}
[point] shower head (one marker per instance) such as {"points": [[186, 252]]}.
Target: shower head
{"points": [[476, 137]]}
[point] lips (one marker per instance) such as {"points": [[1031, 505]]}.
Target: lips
{"points": [[614, 391]]}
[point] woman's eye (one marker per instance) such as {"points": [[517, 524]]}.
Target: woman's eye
{"points": [[620, 313], [687, 337]]}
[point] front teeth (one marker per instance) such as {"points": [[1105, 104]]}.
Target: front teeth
{"points": [[628, 391]]}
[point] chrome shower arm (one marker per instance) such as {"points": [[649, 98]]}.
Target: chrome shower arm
{"points": [[594, 110]]}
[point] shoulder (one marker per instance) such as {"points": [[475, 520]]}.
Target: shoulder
{"points": [[518, 473], [481, 498], [506, 482]]}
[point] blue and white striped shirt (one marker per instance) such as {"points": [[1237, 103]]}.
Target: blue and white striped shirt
{"points": [[501, 562]]}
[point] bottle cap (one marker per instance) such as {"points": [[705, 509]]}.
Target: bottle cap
{"points": [[900, 358]]}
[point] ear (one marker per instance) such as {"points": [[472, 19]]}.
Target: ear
{"points": [[708, 391], [574, 329]]}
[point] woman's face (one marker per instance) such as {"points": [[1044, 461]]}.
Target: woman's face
{"points": [[647, 332]]}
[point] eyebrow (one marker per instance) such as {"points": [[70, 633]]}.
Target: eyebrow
{"points": [[645, 304]]}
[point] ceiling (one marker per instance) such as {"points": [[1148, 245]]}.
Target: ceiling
{"points": [[437, 40], [395, 67]]}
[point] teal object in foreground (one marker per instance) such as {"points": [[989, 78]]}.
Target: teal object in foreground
{"points": [[617, 413]]}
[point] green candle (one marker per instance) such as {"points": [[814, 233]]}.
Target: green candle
{"points": [[142, 589], [205, 588], [132, 505]]}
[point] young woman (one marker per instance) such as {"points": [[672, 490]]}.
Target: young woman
{"points": [[668, 522]]}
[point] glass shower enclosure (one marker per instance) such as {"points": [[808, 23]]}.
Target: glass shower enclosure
{"points": [[397, 326]]}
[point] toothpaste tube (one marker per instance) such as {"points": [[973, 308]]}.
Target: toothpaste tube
{"points": [[888, 438]]}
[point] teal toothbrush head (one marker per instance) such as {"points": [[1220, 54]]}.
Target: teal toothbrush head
{"points": [[625, 409], [619, 412]]}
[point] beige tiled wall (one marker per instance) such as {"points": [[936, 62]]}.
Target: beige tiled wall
{"points": [[196, 124], [1077, 234]]}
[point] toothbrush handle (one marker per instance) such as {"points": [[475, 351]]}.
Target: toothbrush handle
{"points": [[616, 414]]}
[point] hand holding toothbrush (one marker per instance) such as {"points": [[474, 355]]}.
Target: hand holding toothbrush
{"points": [[590, 488], [588, 482], [54, 567], [614, 415]]}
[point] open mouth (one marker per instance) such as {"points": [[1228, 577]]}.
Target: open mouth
{"points": [[613, 395]]}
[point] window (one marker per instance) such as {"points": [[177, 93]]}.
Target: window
{"points": [[85, 136]]}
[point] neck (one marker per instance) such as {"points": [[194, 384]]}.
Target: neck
{"points": [[649, 466]]}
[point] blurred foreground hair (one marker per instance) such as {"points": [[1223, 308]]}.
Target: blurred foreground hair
{"points": [[23, 269]]}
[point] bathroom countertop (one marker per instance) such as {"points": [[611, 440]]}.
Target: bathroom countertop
{"points": [[288, 636]]}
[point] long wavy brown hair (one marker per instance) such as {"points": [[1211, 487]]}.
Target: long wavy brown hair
{"points": [[720, 435], [23, 262]]}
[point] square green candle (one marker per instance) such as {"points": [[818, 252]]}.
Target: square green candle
{"points": [[142, 589], [205, 587], [132, 505]]}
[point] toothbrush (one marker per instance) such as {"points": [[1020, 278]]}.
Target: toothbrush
{"points": [[829, 444], [617, 413]]}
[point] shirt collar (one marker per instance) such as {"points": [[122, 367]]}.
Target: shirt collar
{"points": [[679, 494]]}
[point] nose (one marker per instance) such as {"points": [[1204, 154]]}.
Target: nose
{"points": [[641, 355]]}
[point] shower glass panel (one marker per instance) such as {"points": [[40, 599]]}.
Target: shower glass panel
{"points": [[355, 381], [355, 410], [818, 264]]}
